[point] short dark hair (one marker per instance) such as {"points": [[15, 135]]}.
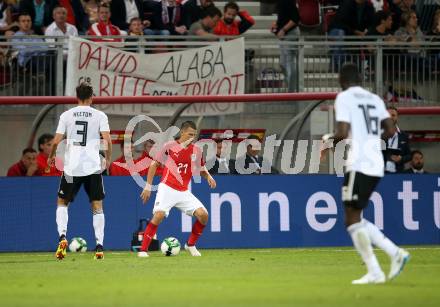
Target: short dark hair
{"points": [[84, 91], [231, 5], [27, 150], [211, 11], [380, 16], [349, 74], [188, 124], [415, 152], [393, 108], [253, 137], [43, 139], [24, 13]]}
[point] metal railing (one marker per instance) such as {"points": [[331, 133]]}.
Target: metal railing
{"points": [[400, 72]]}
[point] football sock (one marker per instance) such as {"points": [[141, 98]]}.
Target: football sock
{"points": [[380, 240], [98, 225], [195, 233], [362, 243], [62, 217], [149, 233]]}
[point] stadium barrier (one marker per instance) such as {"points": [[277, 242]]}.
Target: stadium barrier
{"points": [[401, 72], [245, 212]]}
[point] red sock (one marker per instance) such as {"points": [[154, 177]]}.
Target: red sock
{"points": [[149, 233], [195, 233]]}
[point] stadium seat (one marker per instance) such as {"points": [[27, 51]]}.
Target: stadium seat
{"points": [[309, 13]]}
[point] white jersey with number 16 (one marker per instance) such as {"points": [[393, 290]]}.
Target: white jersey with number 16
{"points": [[364, 112], [82, 127]]}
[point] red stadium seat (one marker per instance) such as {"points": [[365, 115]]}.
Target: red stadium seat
{"points": [[309, 13]]}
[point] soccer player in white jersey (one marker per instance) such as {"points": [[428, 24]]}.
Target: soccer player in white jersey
{"points": [[363, 115], [82, 127]]}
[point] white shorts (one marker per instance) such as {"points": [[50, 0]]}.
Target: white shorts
{"points": [[167, 198]]}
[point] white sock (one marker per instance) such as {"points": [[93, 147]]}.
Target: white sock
{"points": [[380, 240], [362, 243], [98, 225], [62, 217]]}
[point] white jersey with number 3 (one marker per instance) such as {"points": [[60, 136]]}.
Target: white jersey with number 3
{"points": [[82, 127], [364, 112]]}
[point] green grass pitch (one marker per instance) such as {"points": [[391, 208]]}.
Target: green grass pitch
{"points": [[263, 277]]}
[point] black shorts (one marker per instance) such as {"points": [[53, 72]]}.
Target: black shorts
{"points": [[357, 189], [93, 184]]}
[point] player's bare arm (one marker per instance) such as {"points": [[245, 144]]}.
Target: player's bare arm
{"points": [[341, 133], [211, 181], [146, 193], [108, 152], [55, 142]]}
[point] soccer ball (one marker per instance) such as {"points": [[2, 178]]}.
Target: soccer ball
{"points": [[78, 245], [170, 247]]}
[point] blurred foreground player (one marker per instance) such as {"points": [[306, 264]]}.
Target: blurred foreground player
{"points": [[181, 160], [82, 127], [363, 115]]}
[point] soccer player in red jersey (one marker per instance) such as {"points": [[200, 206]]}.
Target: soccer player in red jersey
{"points": [[181, 159]]}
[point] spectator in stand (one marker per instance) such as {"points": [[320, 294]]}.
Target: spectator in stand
{"points": [[205, 26], [29, 57], [397, 151], [417, 163], [286, 28], [435, 53], [91, 9], [60, 27], [76, 14], [27, 166], [45, 146], [122, 11], [252, 159], [382, 26], [353, 17], [136, 27], [104, 27], [40, 12], [7, 26], [410, 32], [192, 10], [144, 161], [166, 19], [222, 165], [119, 167], [229, 26], [397, 8]]}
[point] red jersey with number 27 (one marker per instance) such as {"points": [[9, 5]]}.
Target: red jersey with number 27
{"points": [[180, 164]]}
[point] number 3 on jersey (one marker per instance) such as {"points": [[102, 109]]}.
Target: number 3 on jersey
{"points": [[371, 122], [82, 131]]}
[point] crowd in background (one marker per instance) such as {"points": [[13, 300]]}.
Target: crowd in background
{"points": [[394, 20]]}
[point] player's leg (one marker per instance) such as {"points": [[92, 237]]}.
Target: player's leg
{"points": [[398, 256], [193, 207], [94, 187], [357, 229], [67, 190], [150, 232], [166, 198], [98, 226]]}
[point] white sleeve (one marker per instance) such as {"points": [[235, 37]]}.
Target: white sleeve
{"points": [[103, 124], [61, 129], [342, 110]]}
